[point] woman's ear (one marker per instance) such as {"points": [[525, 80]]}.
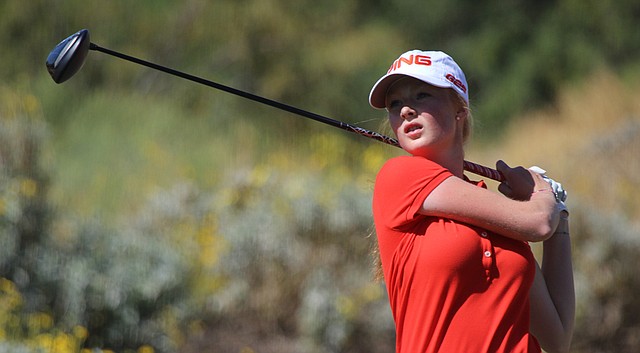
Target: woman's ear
{"points": [[462, 113]]}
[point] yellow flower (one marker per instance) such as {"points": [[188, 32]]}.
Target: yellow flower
{"points": [[80, 332], [63, 343], [28, 187], [145, 349]]}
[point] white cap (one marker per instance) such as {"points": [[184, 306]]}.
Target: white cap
{"points": [[433, 67]]}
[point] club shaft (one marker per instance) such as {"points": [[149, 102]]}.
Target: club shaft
{"points": [[468, 166]]}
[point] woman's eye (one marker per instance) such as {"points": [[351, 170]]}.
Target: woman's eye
{"points": [[422, 95], [394, 104]]}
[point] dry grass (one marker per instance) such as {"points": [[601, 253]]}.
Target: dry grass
{"points": [[589, 140]]}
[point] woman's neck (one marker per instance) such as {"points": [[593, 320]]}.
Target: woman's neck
{"points": [[451, 158]]}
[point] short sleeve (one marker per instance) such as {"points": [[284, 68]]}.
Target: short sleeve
{"points": [[401, 187]]}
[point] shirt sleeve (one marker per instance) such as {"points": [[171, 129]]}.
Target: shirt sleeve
{"points": [[401, 187]]}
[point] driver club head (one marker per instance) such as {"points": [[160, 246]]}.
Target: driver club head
{"points": [[68, 56]]}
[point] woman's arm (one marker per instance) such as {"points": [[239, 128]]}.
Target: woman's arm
{"points": [[552, 295], [529, 212]]}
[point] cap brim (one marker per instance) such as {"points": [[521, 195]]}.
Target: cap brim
{"points": [[378, 94]]}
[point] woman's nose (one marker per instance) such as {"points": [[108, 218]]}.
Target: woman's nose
{"points": [[407, 112]]}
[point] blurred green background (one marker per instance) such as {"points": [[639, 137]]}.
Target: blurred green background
{"points": [[144, 213]]}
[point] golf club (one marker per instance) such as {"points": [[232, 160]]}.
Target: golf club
{"points": [[67, 58]]}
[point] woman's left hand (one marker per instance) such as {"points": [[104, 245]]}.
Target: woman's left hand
{"points": [[561, 193], [556, 187], [519, 182]]}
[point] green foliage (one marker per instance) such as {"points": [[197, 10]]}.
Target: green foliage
{"points": [[516, 54], [26, 324], [303, 272], [140, 212]]}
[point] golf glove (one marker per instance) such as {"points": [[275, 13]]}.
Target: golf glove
{"points": [[556, 187]]}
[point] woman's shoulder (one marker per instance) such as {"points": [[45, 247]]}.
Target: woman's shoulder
{"points": [[408, 161], [407, 170]]}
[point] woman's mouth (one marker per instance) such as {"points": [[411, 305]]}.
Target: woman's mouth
{"points": [[413, 130]]}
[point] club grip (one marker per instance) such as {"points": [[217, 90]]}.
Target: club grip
{"points": [[483, 171]]}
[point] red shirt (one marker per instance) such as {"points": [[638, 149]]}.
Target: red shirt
{"points": [[452, 287]]}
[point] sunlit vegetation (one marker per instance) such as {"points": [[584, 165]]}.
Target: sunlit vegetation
{"points": [[143, 213]]}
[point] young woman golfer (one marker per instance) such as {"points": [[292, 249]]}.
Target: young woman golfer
{"points": [[459, 271]]}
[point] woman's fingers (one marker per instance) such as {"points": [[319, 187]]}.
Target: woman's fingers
{"points": [[518, 182]]}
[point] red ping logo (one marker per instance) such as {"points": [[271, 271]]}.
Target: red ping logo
{"points": [[411, 60]]}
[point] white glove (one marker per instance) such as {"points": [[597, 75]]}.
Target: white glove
{"points": [[561, 194]]}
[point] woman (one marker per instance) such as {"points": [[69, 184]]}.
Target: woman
{"points": [[459, 271]]}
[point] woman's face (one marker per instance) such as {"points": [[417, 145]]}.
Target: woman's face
{"points": [[423, 117]]}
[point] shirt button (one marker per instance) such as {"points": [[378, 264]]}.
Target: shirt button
{"points": [[484, 234], [487, 253]]}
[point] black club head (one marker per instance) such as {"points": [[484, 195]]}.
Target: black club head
{"points": [[68, 56]]}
